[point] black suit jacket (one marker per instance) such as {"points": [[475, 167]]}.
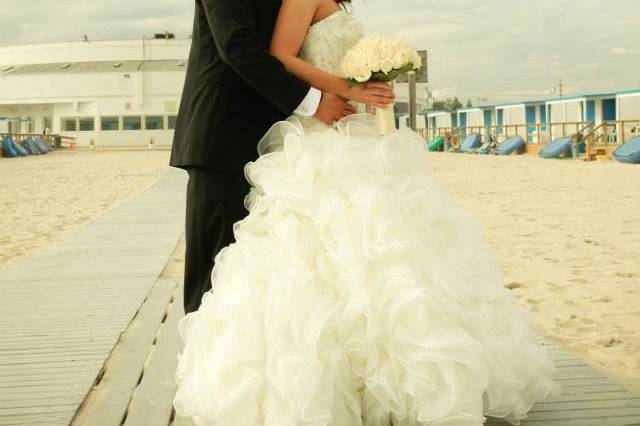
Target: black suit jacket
{"points": [[234, 89]]}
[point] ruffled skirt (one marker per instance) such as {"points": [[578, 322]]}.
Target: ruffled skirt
{"points": [[356, 293]]}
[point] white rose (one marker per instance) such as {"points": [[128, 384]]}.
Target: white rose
{"points": [[386, 65], [400, 59], [362, 75], [386, 52], [373, 63]]}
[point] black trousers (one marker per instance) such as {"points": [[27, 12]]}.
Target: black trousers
{"points": [[215, 201]]}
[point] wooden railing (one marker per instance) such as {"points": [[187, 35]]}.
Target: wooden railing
{"points": [[54, 141], [451, 135], [609, 132]]}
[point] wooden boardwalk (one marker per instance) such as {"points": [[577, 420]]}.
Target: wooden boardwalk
{"points": [[64, 307], [88, 330], [137, 390]]}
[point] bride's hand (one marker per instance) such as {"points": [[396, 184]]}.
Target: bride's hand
{"points": [[374, 93]]}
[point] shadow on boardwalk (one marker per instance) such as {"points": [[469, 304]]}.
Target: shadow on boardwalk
{"points": [[89, 331]]}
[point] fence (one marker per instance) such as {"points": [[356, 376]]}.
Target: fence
{"points": [[55, 141], [606, 133]]}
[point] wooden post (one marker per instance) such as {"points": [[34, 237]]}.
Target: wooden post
{"points": [[413, 106]]}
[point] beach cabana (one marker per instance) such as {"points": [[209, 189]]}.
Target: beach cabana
{"points": [[628, 105], [591, 108], [571, 114], [470, 120], [628, 108], [439, 122], [526, 119]]}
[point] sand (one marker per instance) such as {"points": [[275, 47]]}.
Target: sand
{"points": [[566, 232], [44, 198], [567, 236]]}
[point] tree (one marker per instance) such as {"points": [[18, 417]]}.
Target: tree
{"points": [[448, 104]]}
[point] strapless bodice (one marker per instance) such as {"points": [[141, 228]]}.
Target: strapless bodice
{"points": [[326, 43], [329, 39]]}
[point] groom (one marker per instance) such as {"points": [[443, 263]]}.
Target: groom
{"points": [[233, 92]]}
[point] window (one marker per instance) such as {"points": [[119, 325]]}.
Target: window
{"points": [[86, 124], [131, 123], [171, 121], [14, 126], [69, 125], [47, 123], [154, 122], [109, 123], [28, 124]]}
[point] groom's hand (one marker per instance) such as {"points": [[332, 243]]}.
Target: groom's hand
{"points": [[332, 108]]}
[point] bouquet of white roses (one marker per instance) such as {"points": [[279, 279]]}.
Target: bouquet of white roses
{"points": [[380, 59]]}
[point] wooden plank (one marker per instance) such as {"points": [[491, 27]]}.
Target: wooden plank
{"points": [[600, 396], [49, 419], [41, 400], [107, 402], [43, 409], [22, 370], [151, 404], [588, 404], [586, 413]]}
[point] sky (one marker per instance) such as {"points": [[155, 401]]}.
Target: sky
{"points": [[483, 50]]}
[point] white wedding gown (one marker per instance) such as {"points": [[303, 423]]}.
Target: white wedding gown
{"points": [[357, 292]]}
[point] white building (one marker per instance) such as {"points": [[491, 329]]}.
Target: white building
{"points": [[110, 92]]}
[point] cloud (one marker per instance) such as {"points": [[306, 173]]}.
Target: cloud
{"points": [[618, 51], [36, 21], [515, 49], [495, 49]]}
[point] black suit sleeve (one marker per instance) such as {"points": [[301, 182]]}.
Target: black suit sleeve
{"points": [[233, 28]]}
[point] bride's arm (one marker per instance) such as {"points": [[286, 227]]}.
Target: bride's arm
{"points": [[293, 22]]}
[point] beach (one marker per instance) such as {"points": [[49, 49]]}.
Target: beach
{"points": [[43, 198], [567, 237], [565, 232]]}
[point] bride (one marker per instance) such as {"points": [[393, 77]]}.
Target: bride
{"points": [[357, 292]]}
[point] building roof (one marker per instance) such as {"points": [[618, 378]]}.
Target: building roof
{"points": [[564, 98], [95, 67], [438, 112]]}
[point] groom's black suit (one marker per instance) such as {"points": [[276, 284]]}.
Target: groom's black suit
{"points": [[233, 92]]}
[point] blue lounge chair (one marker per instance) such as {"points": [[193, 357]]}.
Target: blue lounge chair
{"points": [[31, 147], [9, 148], [23, 152], [42, 145], [513, 145], [561, 147], [472, 143], [628, 152]]}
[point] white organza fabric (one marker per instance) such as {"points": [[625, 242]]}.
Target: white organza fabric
{"points": [[356, 293]]}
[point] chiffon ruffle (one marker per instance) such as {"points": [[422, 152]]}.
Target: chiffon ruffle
{"points": [[356, 293]]}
